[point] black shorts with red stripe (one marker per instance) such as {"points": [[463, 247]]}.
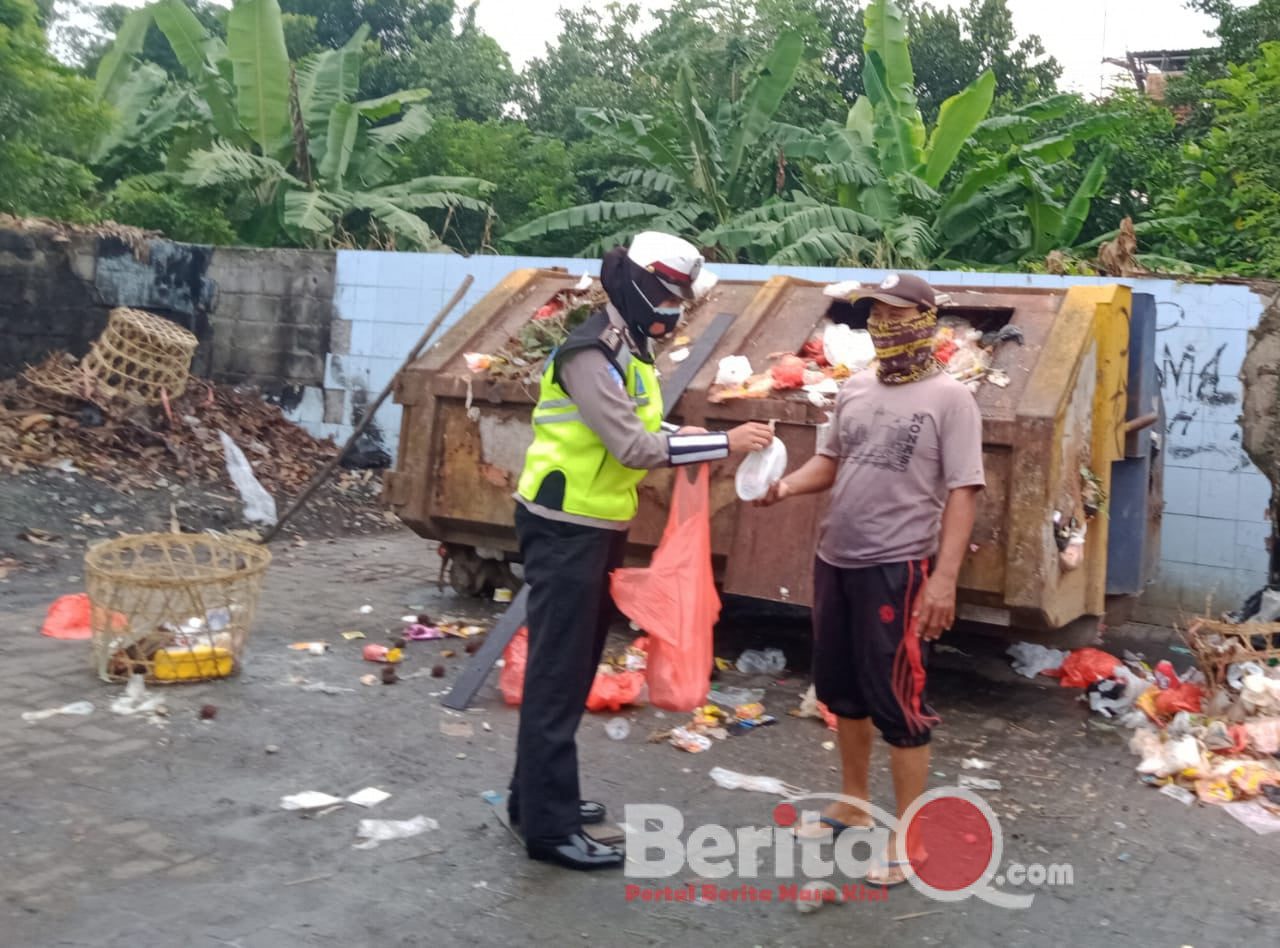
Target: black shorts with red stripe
{"points": [[868, 660]]}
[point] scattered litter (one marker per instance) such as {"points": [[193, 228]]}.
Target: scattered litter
{"points": [[828, 745], [770, 661], [688, 741], [271, 749], [583, 284], [366, 610], [618, 729], [308, 800], [678, 355], [313, 648], [1255, 816], [478, 361], [457, 729], [68, 618], [735, 697], [353, 635], [375, 832], [973, 763], [381, 653], [437, 671], [208, 712], [324, 688], [1030, 660], [369, 796], [492, 797], [732, 780], [137, 700], [368, 679], [75, 708], [259, 506], [422, 633], [978, 783], [813, 895], [503, 595], [1181, 794]]}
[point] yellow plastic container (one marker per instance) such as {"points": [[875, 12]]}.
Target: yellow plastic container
{"points": [[197, 662]]}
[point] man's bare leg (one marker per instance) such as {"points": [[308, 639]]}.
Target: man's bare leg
{"points": [[854, 736], [910, 767]]}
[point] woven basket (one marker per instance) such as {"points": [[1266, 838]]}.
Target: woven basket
{"points": [[1218, 645], [138, 359], [172, 606]]}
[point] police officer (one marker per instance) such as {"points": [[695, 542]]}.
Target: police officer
{"points": [[597, 430]]}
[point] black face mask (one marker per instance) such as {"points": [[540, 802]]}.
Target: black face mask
{"points": [[631, 289]]}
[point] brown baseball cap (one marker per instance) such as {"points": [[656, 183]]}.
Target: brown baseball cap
{"points": [[897, 289]]}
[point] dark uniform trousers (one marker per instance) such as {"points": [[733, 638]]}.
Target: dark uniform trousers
{"points": [[566, 567]]}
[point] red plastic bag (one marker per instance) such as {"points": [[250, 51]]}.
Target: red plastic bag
{"points": [[514, 658], [68, 618], [675, 599], [1084, 666], [612, 690], [1184, 696]]}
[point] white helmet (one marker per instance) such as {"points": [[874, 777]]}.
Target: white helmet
{"points": [[673, 260]]}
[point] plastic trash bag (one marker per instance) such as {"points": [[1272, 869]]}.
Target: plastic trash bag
{"points": [[372, 832], [514, 659], [68, 618], [675, 600], [732, 780], [770, 661], [1030, 659], [851, 348], [1084, 666], [1182, 697], [611, 691], [733, 370], [259, 506], [760, 470]]}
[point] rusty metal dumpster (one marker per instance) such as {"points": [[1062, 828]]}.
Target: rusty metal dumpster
{"points": [[1079, 402]]}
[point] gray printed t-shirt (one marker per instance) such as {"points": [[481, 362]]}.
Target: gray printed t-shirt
{"points": [[900, 449]]}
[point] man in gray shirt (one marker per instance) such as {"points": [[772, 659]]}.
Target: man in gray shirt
{"points": [[903, 460]]}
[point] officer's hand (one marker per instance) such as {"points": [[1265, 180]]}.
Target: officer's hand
{"points": [[691, 429], [753, 436]]}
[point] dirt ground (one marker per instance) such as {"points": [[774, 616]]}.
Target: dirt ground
{"points": [[119, 831]]}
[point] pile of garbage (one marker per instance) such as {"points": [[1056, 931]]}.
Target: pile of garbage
{"points": [[1210, 733], [181, 442], [836, 351], [522, 358]]}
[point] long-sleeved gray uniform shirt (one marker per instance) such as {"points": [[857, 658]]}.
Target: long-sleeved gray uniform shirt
{"points": [[591, 381]]}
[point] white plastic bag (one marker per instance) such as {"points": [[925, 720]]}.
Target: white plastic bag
{"points": [[1030, 659], [259, 506], [851, 348], [760, 470], [733, 370], [373, 832], [732, 780]]}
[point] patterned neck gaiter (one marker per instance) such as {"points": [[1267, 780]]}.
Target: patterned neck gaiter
{"points": [[904, 346]]}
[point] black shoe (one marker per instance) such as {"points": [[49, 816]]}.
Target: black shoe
{"points": [[589, 813], [576, 851]]}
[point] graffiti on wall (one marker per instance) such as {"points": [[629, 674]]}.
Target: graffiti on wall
{"points": [[1190, 378]]}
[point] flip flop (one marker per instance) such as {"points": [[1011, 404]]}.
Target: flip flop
{"points": [[837, 827], [905, 864]]}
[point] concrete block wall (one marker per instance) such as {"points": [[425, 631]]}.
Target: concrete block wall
{"points": [[272, 318]]}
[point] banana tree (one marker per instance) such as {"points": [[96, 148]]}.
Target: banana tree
{"points": [[307, 162], [694, 168], [884, 190]]}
